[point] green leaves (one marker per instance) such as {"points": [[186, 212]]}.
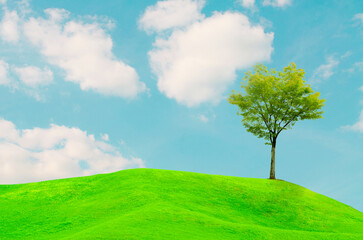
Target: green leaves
{"points": [[274, 101]]}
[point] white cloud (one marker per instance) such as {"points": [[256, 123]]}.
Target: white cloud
{"points": [[4, 73], [277, 3], [247, 3], [346, 54], [170, 14], [30, 78], [358, 17], [24, 7], [325, 71], [206, 117], [203, 118], [358, 66], [197, 64], [56, 152], [264, 22], [57, 14], [358, 126], [84, 51], [34, 76], [9, 26], [105, 137]]}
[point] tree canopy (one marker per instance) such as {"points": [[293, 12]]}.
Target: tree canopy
{"points": [[274, 101]]}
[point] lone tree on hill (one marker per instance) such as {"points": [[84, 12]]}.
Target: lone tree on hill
{"points": [[274, 101]]}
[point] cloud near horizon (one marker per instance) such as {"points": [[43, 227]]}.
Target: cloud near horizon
{"points": [[197, 63], [40, 154]]}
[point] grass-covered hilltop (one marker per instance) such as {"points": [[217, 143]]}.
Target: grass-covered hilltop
{"points": [[161, 204]]}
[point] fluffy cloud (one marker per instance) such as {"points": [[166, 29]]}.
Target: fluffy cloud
{"points": [[105, 137], [277, 3], [31, 78], [9, 31], [34, 76], [170, 14], [84, 51], [57, 152], [325, 71], [4, 73], [196, 64], [248, 3]]}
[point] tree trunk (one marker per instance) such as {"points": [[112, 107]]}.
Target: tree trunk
{"points": [[272, 170]]}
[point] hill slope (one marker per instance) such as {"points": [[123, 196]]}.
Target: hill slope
{"points": [[161, 204]]}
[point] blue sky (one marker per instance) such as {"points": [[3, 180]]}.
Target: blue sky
{"points": [[89, 87]]}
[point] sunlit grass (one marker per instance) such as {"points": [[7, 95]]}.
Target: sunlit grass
{"points": [[161, 204]]}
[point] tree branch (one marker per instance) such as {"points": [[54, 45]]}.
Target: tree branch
{"points": [[297, 115]]}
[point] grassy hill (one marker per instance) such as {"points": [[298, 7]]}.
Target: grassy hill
{"points": [[161, 204]]}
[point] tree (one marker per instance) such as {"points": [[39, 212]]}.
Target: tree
{"points": [[274, 101]]}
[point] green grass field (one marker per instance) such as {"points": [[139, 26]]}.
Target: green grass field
{"points": [[162, 204]]}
